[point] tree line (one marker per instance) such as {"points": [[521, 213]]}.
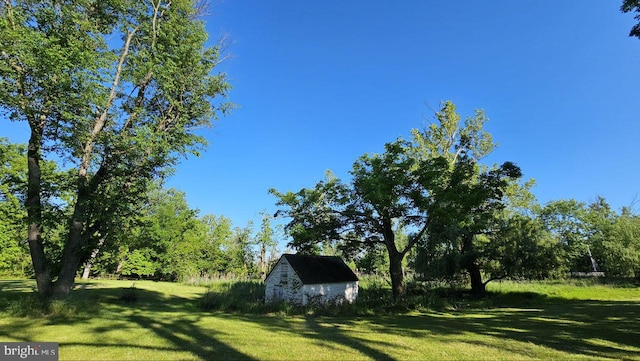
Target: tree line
{"points": [[164, 239], [431, 206], [115, 90]]}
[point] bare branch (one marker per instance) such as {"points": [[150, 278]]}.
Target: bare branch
{"points": [[101, 120], [201, 8], [223, 45]]}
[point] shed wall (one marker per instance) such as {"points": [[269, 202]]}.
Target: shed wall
{"points": [[283, 284], [330, 292]]}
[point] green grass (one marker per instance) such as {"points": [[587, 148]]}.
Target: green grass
{"points": [[165, 321]]}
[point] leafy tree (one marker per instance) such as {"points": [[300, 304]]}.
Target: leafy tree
{"points": [[465, 216], [167, 240], [385, 188], [469, 198], [566, 220], [219, 230], [523, 248], [632, 6], [119, 111], [242, 258], [614, 239], [13, 252], [620, 251], [140, 263], [265, 239]]}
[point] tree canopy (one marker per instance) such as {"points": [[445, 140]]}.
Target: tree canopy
{"points": [[632, 6], [433, 181], [115, 89]]}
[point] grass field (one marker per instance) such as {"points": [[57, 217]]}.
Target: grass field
{"points": [[519, 321]]}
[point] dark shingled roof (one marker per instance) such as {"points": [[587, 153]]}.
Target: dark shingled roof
{"points": [[320, 269]]}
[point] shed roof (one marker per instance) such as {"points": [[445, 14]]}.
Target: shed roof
{"points": [[320, 269]]}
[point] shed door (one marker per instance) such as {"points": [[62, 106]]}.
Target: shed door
{"points": [[277, 293]]}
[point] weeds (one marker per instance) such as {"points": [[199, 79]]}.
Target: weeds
{"points": [[34, 306], [375, 298], [129, 294]]}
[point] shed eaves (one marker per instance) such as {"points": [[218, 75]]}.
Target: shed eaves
{"points": [[320, 269]]}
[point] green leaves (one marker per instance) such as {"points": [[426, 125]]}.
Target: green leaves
{"points": [[432, 183], [632, 6], [449, 138], [121, 112]]}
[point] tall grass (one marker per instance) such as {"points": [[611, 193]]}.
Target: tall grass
{"points": [[30, 305], [375, 297]]}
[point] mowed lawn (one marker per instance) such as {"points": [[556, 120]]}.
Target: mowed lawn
{"points": [[571, 322]]}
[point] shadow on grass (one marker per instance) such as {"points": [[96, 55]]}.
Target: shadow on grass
{"points": [[606, 329], [329, 335], [172, 319], [589, 328]]}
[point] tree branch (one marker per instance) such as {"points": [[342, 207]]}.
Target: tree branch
{"points": [[416, 238], [493, 279], [101, 120]]}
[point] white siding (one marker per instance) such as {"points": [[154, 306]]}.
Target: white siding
{"points": [[330, 292], [283, 284]]}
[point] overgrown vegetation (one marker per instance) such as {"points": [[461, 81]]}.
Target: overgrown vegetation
{"points": [[375, 297]]}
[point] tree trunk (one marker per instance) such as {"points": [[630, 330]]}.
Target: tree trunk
{"points": [[92, 257], [397, 275], [34, 213], [263, 260], [73, 250], [478, 288], [470, 263], [395, 261]]}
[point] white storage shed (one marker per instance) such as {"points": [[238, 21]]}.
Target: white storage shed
{"points": [[302, 279]]}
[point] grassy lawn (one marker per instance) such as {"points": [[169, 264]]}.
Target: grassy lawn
{"points": [[518, 322]]}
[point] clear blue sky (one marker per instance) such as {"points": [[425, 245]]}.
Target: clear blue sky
{"points": [[318, 83]]}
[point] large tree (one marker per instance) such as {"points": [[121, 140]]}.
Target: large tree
{"points": [[465, 216], [431, 184], [467, 200], [361, 214], [114, 88]]}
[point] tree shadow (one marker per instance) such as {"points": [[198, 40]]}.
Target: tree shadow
{"points": [[173, 319], [579, 328], [592, 329], [604, 329], [328, 334]]}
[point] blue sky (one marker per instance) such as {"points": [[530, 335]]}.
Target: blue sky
{"points": [[319, 83]]}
